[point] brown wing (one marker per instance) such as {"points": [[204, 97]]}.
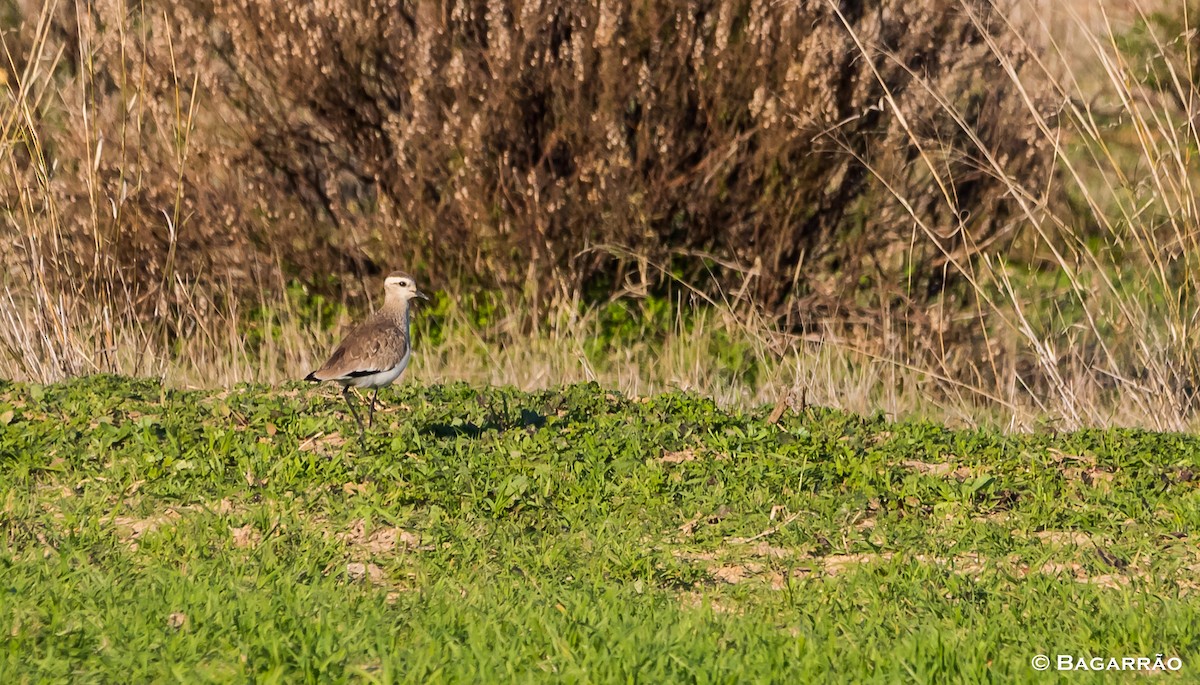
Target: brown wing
{"points": [[374, 346]]}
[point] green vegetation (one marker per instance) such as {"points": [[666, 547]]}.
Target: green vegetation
{"points": [[152, 534]]}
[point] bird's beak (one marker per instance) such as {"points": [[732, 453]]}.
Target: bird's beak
{"points": [[422, 295]]}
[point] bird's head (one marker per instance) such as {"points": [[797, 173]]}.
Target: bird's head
{"points": [[400, 287]]}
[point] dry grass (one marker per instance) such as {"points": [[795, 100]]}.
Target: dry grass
{"points": [[215, 355], [1121, 247], [1080, 284], [548, 148]]}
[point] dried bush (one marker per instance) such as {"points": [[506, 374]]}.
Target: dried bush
{"points": [[824, 159]]}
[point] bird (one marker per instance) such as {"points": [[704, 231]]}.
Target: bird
{"points": [[378, 350]]}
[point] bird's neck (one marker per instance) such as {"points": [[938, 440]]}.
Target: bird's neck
{"points": [[397, 311]]}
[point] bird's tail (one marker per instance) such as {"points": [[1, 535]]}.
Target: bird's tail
{"points": [[312, 377]]}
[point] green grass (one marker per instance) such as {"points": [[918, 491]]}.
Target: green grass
{"points": [[154, 535]]}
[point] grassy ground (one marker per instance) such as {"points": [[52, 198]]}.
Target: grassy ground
{"points": [[152, 534]]}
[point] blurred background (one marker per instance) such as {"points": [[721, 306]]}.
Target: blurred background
{"points": [[982, 212]]}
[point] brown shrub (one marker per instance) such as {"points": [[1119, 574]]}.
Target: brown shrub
{"points": [[548, 147]]}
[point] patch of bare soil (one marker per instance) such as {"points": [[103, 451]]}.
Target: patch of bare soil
{"points": [[359, 571], [1082, 468], [735, 573], [324, 444], [379, 540], [1077, 573], [1062, 538], [130, 529], [738, 571], [695, 599], [688, 454], [678, 457], [245, 536]]}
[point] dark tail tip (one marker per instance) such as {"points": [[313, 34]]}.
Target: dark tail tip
{"points": [[312, 377]]}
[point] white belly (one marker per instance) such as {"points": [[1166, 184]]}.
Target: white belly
{"points": [[378, 380]]}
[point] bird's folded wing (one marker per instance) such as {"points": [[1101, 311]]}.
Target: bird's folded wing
{"points": [[372, 348]]}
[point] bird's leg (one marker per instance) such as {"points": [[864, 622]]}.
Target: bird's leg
{"points": [[371, 415], [353, 412]]}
